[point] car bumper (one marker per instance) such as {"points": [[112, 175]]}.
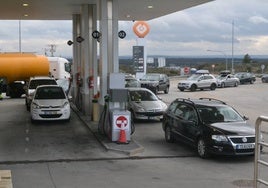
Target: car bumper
{"points": [[230, 150], [184, 87], [149, 115], [54, 114]]}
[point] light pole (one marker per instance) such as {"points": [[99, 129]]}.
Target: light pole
{"points": [[226, 60]]}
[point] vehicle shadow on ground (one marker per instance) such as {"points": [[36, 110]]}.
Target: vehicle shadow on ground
{"points": [[232, 159]]}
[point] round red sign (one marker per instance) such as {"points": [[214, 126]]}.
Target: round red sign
{"points": [[186, 70], [121, 121]]}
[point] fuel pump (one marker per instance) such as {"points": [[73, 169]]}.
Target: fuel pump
{"points": [[115, 116]]}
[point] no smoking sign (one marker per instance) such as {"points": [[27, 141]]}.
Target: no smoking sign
{"points": [[121, 121]]}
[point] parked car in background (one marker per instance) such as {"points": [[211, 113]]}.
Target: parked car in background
{"points": [[131, 81], [144, 104], [33, 83], [264, 78], [198, 81], [155, 82], [246, 77], [228, 80], [210, 125], [50, 103]]}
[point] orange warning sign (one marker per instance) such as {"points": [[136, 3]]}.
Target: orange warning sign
{"points": [[141, 29]]}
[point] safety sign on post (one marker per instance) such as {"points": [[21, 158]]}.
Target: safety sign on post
{"points": [[120, 120]]}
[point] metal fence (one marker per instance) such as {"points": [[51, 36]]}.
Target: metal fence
{"points": [[260, 145]]}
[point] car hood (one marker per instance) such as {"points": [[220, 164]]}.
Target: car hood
{"points": [[234, 128], [51, 102], [150, 105]]}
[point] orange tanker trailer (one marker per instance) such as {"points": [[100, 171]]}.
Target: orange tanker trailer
{"points": [[17, 68]]}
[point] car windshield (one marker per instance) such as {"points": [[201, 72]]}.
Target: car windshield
{"points": [[194, 77], [35, 83], [215, 114], [50, 93], [150, 77], [141, 95]]}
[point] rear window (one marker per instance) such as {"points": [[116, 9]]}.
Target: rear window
{"points": [[35, 83], [50, 93]]}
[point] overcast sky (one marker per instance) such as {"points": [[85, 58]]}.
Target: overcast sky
{"points": [[186, 33]]}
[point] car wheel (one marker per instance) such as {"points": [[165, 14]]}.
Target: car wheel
{"points": [[235, 84], [181, 89], [168, 135], [166, 90], [263, 80], [222, 85], [193, 87], [213, 87], [202, 148], [251, 81]]}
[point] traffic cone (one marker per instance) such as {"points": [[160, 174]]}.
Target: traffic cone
{"points": [[122, 137]]}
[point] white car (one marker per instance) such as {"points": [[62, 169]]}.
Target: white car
{"points": [[144, 104], [33, 84], [198, 81], [50, 103]]}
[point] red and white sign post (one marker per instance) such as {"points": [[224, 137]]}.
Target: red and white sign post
{"points": [[121, 121]]}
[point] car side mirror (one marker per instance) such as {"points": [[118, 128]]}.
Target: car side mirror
{"points": [[70, 98]]}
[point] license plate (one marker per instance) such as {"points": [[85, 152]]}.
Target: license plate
{"points": [[245, 146], [50, 112]]}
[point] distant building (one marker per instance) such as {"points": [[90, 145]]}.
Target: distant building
{"points": [[161, 62]]}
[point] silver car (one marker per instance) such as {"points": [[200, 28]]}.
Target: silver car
{"points": [[198, 81], [227, 81], [144, 104]]}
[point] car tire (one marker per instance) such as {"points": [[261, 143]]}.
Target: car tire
{"points": [[202, 148], [166, 90], [181, 89], [193, 87], [168, 135], [213, 87]]}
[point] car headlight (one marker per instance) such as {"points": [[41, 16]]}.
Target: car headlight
{"points": [[65, 104], [154, 84], [35, 105], [219, 138]]}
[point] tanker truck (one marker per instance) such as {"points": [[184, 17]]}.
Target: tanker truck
{"points": [[17, 68]]}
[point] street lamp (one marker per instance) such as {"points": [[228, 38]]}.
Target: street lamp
{"points": [[226, 60]]}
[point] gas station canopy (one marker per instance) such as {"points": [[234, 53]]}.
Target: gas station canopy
{"points": [[64, 9]]}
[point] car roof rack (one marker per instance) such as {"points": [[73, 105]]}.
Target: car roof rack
{"points": [[212, 99], [185, 100]]}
